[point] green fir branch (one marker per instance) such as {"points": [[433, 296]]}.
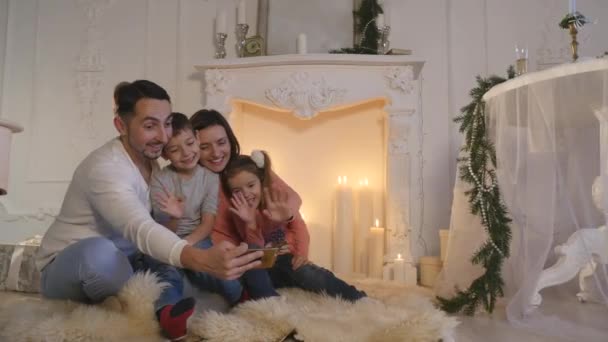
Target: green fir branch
{"points": [[576, 18], [483, 197], [366, 27]]}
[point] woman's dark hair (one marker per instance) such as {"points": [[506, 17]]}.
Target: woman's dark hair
{"points": [[126, 95], [246, 163], [205, 118]]}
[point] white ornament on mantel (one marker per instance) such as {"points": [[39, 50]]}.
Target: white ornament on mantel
{"points": [[217, 82], [401, 78], [304, 95]]}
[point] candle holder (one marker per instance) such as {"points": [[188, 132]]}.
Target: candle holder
{"points": [[220, 45], [241, 39], [572, 22], [574, 44], [383, 42]]}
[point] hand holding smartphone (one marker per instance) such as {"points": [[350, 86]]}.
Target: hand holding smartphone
{"points": [[269, 257]]}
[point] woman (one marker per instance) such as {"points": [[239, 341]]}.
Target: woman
{"points": [[219, 146]]}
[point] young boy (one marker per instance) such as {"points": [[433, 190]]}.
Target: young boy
{"points": [[184, 199]]}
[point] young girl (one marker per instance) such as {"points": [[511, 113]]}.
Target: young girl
{"points": [[264, 217], [219, 145]]}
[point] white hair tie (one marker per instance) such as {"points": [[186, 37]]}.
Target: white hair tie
{"points": [[258, 158]]}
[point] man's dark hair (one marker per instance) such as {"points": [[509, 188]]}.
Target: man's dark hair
{"points": [[127, 94]]}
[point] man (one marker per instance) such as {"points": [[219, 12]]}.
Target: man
{"points": [[95, 243]]}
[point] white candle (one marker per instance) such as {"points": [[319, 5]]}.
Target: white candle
{"points": [[380, 20], [301, 44], [399, 269], [375, 250], [572, 4], [387, 272], [240, 13], [220, 22], [343, 233], [365, 214]]}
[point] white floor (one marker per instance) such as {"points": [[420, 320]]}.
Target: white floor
{"points": [[560, 303], [495, 328]]}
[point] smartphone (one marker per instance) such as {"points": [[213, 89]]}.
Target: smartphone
{"points": [[269, 257]]}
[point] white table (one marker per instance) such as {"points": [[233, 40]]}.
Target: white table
{"points": [[550, 129]]}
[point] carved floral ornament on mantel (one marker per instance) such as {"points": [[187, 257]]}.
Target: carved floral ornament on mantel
{"points": [[304, 95], [401, 78], [217, 81]]}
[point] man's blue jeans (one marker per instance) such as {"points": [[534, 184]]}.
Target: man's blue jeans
{"points": [[93, 269]]}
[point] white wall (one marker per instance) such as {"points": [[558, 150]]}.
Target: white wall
{"points": [[163, 40], [3, 29], [62, 61]]}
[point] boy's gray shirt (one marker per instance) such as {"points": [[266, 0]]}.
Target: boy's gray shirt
{"points": [[200, 195]]}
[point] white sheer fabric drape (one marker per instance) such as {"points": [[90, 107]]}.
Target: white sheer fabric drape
{"points": [[547, 142]]}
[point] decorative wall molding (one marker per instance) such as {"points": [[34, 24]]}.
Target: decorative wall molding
{"points": [[40, 215], [90, 68], [305, 95]]}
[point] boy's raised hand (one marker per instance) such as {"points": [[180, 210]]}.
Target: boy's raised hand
{"points": [[277, 207], [170, 204]]}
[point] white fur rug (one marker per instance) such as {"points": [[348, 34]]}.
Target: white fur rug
{"points": [[390, 314]]}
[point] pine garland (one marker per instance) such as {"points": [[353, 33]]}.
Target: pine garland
{"points": [[478, 170], [366, 28]]}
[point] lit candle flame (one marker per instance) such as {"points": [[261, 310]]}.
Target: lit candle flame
{"points": [[339, 179], [377, 223], [345, 180], [399, 257], [366, 182]]}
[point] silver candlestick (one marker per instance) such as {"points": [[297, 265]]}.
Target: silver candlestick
{"points": [[220, 45], [383, 42], [241, 36]]}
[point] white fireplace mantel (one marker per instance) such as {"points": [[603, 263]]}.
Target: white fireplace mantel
{"points": [[307, 85]]}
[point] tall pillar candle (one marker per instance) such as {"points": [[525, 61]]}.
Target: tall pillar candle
{"points": [[399, 269], [301, 44], [365, 219], [375, 250], [572, 6], [241, 17], [343, 232], [220, 22]]}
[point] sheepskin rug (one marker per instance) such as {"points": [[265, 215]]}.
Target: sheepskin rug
{"points": [[391, 313]]}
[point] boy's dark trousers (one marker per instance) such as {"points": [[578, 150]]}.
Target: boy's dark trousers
{"points": [[261, 283]]}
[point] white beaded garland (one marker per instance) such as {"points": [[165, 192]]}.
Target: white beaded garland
{"points": [[479, 186]]}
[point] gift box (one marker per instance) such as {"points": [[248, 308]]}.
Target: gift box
{"points": [[18, 270]]}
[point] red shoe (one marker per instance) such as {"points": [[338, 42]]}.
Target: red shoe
{"points": [[244, 296], [173, 319]]}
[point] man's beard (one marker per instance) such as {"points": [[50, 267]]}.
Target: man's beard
{"points": [[152, 155], [145, 152]]}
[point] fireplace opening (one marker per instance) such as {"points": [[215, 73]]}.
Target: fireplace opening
{"points": [[310, 154]]}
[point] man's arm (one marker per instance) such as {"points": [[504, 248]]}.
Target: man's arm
{"points": [[111, 192]]}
